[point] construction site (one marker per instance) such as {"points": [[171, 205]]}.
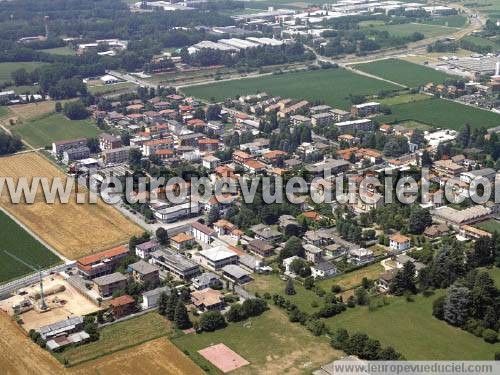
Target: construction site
{"points": [[38, 306]]}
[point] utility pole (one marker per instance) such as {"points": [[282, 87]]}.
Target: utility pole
{"points": [[43, 305]]}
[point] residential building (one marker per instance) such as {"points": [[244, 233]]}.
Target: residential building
{"points": [[205, 280], [323, 270], [218, 257], [319, 109], [398, 242], [175, 263], [363, 124], [321, 119], [365, 109], [108, 284], [117, 155], [313, 253], [447, 168], [436, 231], [182, 241], [288, 261], [265, 233], [202, 233], [385, 280], [333, 166], [152, 147], [261, 248], [210, 162], [360, 256], [144, 249], [102, 263], [151, 298], [340, 115], [473, 233], [488, 173], [208, 299], [122, 306], [145, 273], [109, 142], [59, 147], [471, 215], [236, 274], [300, 120]]}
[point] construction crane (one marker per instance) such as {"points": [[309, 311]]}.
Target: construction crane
{"points": [[43, 305]]}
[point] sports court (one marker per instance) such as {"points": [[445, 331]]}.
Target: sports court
{"points": [[223, 358]]}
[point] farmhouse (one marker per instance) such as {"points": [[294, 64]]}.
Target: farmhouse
{"points": [[102, 263], [174, 263]]}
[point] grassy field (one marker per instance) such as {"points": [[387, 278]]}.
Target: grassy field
{"points": [[406, 29], [404, 98], [6, 68], [482, 42], [75, 230], [44, 130], [64, 51], [106, 89], [274, 285], [269, 342], [491, 225], [403, 72], [442, 113], [353, 279], [412, 330], [495, 275], [332, 86], [122, 335], [20, 243], [450, 21]]}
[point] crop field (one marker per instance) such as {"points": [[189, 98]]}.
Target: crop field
{"points": [[406, 29], [21, 244], [412, 330], [441, 113], [44, 130], [74, 230], [333, 86], [19, 353], [63, 51], [32, 110], [6, 68], [158, 356], [403, 72], [485, 42], [119, 336], [269, 342]]}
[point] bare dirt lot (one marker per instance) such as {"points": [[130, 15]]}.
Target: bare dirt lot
{"points": [[62, 305], [74, 230]]}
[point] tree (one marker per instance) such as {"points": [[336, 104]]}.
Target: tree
{"points": [[211, 321], [93, 145], [340, 338], [162, 303], [438, 307], [213, 112], [464, 135], [483, 253], [490, 336], [456, 305], [235, 313], [404, 280], [309, 282], [289, 288], [58, 107], [300, 267], [253, 307], [162, 236], [76, 110], [292, 247], [213, 215], [419, 220], [389, 354], [426, 160], [181, 316], [171, 306], [361, 296]]}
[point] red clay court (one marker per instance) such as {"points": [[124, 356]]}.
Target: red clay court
{"points": [[223, 358]]}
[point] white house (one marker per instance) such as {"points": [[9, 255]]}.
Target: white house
{"points": [[323, 270], [288, 261], [398, 242], [202, 233], [218, 257], [151, 298], [205, 280], [360, 256]]}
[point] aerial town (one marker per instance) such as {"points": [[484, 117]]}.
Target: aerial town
{"points": [[236, 183]]}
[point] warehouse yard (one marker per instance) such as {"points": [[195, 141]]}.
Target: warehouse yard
{"points": [[74, 230]]}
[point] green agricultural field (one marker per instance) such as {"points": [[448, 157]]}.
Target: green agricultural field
{"points": [[441, 113], [403, 72], [404, 98], [406, 29], [274, 285], [20, 243], [450, 21], [4, 111], [6, 68], [269, 342], [333, 86], [491, 225], [53, 127], [353, 279], [412, 330], [483, 42], [117, 337]]}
